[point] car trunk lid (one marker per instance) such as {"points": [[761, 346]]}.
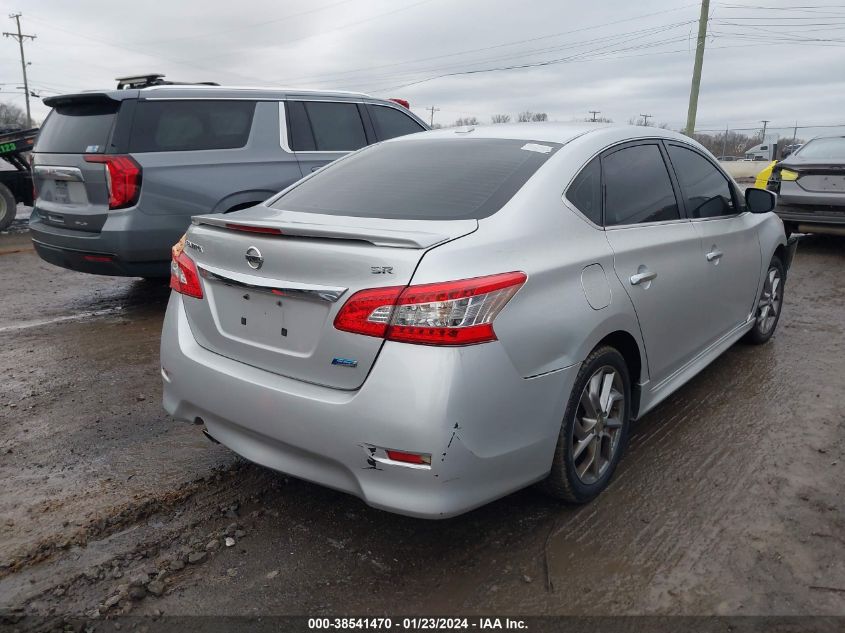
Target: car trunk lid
{"points": [[278, 314]]}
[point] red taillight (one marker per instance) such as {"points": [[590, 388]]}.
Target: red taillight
{"points": [[450, 313], [184, 276], [123, 176], [253, 229], [402, 102], [368, 311], [409, 458], [97, 258]]}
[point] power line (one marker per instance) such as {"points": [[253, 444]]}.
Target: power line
{"points": [[432, 109], [20, 37], [606, 41], [486, 48]]}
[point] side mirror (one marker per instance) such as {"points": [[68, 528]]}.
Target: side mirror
{"points": [[760, 200]]}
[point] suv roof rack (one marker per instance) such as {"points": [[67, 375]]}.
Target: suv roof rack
{"points": [[155, 79]]}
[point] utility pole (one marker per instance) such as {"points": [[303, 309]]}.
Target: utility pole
{"points": [[20, 37], [432, 109], [645, 117], [765, 122], [795, 132], [594, 113], [696, 71], [725, 141]]}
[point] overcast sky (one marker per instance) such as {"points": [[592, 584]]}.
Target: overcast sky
{"points": [[620, 57]]}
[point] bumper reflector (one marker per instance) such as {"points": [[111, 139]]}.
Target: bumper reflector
{"points": [[409, 458]]}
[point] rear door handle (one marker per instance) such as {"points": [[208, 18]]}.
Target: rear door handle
{"points": [[647, 275], [714, 255]]}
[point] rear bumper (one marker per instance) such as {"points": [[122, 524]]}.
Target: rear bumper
{"points": [[811, 214], [137, 244], [489, 431]]}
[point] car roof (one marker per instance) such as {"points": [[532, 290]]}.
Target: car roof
{"points": [[194, 90], [549, 132]]}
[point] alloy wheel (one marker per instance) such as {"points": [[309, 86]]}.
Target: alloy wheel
{"points": [[598, 423], [770, 301]]}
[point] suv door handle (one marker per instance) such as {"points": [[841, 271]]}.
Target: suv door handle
{"points": [[714, 255], [643, 276]]}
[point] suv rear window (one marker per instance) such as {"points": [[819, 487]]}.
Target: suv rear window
{"points": [[431, 179], [391, 122], [78, 128], [186, 125]]}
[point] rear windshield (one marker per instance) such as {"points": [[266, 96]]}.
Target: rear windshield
{"points": [[187, 125], [823, 148], [78, 128], [431, 179]]}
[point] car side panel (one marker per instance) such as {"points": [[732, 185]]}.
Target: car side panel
{"points": [[549, 324]]}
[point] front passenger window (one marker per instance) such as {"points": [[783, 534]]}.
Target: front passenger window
{"points": [[706, 191], [637, 187]]}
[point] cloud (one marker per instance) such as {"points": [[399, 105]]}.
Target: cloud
{"points": [[620, 58]]}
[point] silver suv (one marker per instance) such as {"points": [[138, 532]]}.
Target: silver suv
{"points": [[119, 173]]}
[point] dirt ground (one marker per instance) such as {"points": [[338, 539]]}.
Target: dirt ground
{"points": [[730, 500]]}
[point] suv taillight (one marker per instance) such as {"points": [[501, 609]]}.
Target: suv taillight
{"points": [[184, 276], [449, 313], [123, 176]]}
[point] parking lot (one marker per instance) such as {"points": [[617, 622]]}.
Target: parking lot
{"points": [[729, 501]]}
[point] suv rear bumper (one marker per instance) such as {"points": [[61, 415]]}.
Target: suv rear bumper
{"points": [[488, 430], [129, 244]]}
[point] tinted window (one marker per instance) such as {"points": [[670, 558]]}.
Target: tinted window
{"points": [[585, 191], [431, 179], [78, 128], [337, 127], [706, 191], [823, 148], [390, 122], [301, 138], [637, 187], [171, 126]]}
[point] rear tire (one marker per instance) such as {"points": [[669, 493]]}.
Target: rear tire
{"points": [[8, 207], [769, 305], [594, 431]]}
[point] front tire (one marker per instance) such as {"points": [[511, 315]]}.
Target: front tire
{"points": [[769, 305], [594, 431]]}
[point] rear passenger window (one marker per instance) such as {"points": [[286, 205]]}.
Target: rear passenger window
{"points": [[337, 127], [185, 125], [706, 191], [585, 191], [390, 122], [637, 187]]}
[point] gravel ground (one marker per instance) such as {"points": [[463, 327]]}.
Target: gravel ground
{"points": [[730, 500]]}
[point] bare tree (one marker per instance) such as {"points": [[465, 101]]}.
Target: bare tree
{"points": [[539, 116], [524, 117], [468, 120], [11, 116], [500, 118]]}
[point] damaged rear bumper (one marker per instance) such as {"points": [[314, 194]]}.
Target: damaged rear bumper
{"points": [[488, 430]]}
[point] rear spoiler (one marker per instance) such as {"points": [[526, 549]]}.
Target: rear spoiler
{"points": [[346, 228], [79, 97]]}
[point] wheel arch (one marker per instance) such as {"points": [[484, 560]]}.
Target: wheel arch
{"points": [[627, 345], [241, 200]]}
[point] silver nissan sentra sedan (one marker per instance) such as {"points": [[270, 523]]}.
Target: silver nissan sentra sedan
{"points": [[441, 319]]}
